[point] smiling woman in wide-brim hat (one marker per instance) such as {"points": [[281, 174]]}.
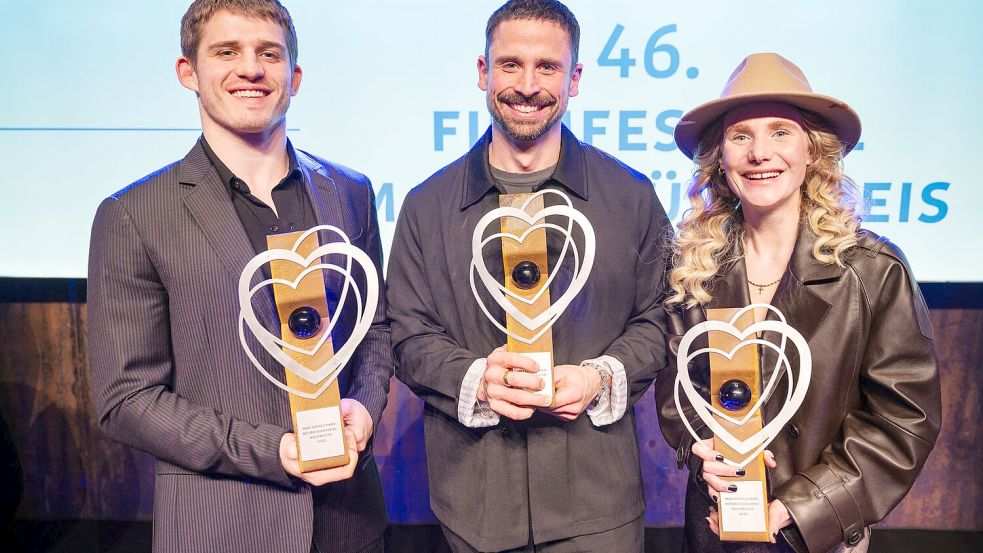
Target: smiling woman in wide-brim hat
{"points": [[713, 231], [772, 221]]}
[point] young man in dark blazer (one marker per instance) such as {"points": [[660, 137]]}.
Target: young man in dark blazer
{"points": [[169, 375], [507, 471]]}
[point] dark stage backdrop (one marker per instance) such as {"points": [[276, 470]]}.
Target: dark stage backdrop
{"points": [[56, 465]]}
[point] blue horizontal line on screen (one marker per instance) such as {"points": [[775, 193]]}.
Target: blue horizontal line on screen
{"points": [[105, 129]]}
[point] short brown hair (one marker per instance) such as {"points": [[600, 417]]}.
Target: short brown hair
{"points": [[200, 11], [536, 10]]}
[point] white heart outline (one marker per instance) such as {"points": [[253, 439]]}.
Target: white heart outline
{"points": [[498, 291], [341, 299], [568, 233], [330, 369], [484, 308], [760, 440]]}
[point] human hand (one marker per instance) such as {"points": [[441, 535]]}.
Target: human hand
{"points": [[509, 385], [290, 462], [576, 386], [357, 418], [714, 467], [778, 518]]}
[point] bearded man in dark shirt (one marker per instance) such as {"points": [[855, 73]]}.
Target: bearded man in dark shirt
{"points": [[507, 470]]}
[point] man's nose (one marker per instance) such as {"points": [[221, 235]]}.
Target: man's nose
{"points": [[528, 84], [250, 67]]}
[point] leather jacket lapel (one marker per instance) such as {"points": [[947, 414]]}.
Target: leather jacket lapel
{"points": [[804, 310]]}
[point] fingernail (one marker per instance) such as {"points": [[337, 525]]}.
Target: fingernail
{"points": [[714, 498], [719, 457], [741, 472], [732, 488]]}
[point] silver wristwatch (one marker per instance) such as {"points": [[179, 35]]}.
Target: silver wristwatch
{"points": [[605, 383]]}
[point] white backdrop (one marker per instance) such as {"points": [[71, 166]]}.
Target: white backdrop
{"points": [[91, 103]]}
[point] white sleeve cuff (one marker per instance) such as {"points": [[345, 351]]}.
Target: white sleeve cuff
{"points": [[612, 405], [471, 412]]}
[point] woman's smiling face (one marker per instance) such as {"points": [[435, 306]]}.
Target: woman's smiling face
{"points": [[765, 155]]}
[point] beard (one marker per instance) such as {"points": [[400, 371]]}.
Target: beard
{"points": [[524, 131]]}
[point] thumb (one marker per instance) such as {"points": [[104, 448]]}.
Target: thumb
{"points": [[289, 446], [352, 445]]}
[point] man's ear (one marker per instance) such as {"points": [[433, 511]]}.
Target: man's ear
{"points": [[482, 73], [295, 82], [186, 73], [575, 80]]}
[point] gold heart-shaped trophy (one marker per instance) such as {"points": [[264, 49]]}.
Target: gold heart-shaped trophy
{"points": [[734, 410], [525, 295], [311, 363]]}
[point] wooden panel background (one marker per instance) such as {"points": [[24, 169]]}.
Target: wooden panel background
{"points": [[56, 465]]}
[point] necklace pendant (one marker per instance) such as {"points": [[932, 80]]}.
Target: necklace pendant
{"points": [[761, 290]]}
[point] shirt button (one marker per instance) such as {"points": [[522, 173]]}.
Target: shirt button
{"points": [[793, 430], [274, 228]]}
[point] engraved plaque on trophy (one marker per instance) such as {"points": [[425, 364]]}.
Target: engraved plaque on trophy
{"points": [[304, 347], [525, 294], [736, 399]]}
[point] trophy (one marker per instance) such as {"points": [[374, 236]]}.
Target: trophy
{"points": [[736, 398], [525, 294], [304, 346]]}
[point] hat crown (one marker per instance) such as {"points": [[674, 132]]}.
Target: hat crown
{"points": [[766, 73]]}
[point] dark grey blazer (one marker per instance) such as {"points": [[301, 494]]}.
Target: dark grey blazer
{"points": [[169, 376]]}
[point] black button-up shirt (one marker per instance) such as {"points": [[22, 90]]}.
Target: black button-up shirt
{"points": [[294, 210]]}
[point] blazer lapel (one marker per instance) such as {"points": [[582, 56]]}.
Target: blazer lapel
{"points": [[210, 207], [329, 209]]}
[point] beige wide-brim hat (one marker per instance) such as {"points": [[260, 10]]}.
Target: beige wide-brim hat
{"points": [[768, 78]]}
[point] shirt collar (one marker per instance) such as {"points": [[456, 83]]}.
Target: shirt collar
{"points": [[571, 169], [231, 181]]}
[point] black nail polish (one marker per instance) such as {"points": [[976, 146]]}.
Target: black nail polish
{"points": [[732, 488], [714, 499], [741, 472], [719, 457]]}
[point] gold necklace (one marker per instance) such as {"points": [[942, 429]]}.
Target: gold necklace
{"points": [[761, 287]]}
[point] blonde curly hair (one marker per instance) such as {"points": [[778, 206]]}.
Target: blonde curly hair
{"points": [[711, 233]]}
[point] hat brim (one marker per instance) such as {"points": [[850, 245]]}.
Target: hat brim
{"points": [[842, 120]]}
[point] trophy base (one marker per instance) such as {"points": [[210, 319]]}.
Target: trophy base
{"points": [[743, 514]]}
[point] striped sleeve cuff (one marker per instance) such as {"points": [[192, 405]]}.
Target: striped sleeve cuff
{"points": [[612, 405], [470, 411]]}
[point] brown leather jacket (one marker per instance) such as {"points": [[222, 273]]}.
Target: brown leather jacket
{"points": [[873, 408]]}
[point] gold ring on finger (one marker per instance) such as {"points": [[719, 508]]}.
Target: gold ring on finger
{"points": [[505, 377]]}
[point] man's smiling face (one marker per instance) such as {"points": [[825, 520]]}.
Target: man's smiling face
{"points": [[529, 77], [242, 74]]}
